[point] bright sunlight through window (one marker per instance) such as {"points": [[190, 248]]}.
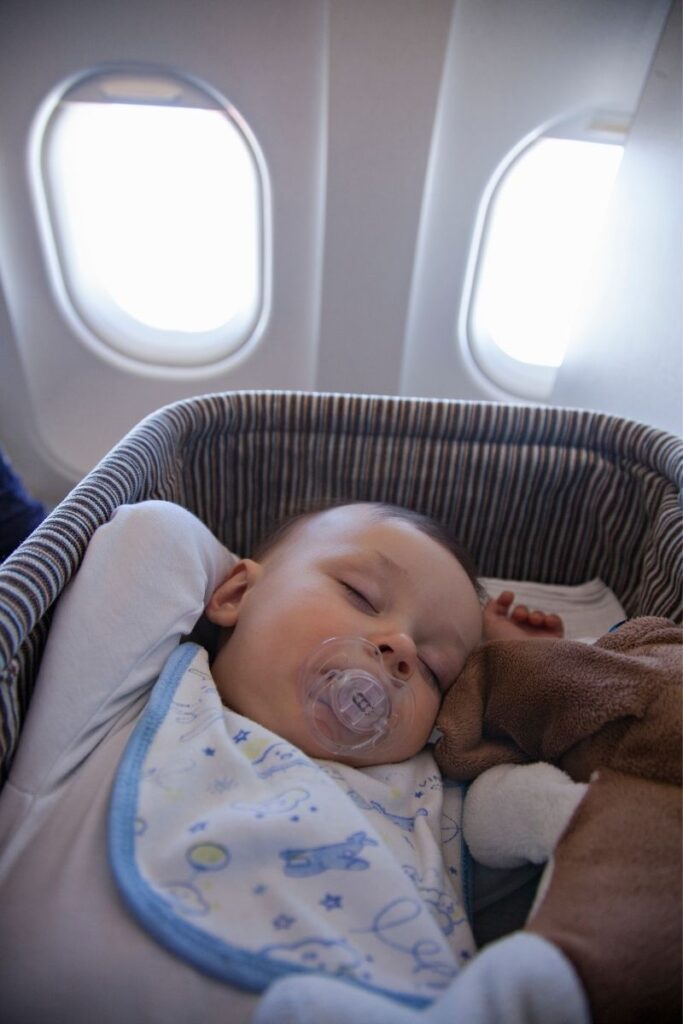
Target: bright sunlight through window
{"points": [[542, 228], [158, 216]]}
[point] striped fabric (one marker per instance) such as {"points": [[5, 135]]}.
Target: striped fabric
{"points": [[552, 495]]}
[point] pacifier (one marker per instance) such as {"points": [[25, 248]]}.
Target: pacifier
{"points": [[351, 701]]}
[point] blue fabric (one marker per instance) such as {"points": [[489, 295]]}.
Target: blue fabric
{"points": [[19, 513]]}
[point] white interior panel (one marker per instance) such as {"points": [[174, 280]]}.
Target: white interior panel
{"points": [[627, 356], [386, 58]]}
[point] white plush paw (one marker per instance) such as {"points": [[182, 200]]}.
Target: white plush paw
{"points": [[515, 814]]}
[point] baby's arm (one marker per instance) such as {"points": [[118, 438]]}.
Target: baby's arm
{"points": [[144, 580], [504, 621]]}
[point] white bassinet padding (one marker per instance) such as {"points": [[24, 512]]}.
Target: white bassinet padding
{"points": [[587, 609]]}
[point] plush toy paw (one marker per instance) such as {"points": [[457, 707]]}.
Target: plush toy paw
{"points": [[515, 814]]}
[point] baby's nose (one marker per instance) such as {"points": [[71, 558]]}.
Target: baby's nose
{"points": [[399, 654]]}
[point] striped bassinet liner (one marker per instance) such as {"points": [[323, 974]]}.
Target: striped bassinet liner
{"points": [[552, 495]]}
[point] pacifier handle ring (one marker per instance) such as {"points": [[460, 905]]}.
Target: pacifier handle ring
{"points": [[359, 700], [351, 701]]}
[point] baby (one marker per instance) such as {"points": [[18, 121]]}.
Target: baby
{"points": [[385, 574], [239, 847]]}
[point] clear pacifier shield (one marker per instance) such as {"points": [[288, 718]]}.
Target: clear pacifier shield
{"points": [[359, 701], [351, 701]]}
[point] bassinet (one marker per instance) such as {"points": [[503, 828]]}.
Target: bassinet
{"points": [[546, 494]]}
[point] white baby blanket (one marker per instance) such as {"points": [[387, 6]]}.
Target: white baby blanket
{"points": [[250, 860]]}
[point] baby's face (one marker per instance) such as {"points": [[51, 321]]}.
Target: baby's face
{"points": [[345, 572]]}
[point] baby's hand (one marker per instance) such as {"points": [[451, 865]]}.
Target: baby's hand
{"points": [[503, 622]]}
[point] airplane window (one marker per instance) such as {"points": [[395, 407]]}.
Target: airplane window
{"points": [[542, 226], [155, 203]]}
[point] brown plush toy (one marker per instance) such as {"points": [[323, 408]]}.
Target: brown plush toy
{"points": [[608, 714]]}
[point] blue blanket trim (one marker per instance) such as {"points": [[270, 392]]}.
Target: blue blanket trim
{"points": [[210, 955]]}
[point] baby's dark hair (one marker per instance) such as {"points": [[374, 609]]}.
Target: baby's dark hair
{"points": [[383, 510]]}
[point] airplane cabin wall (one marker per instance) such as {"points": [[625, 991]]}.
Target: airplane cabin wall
{"points": [[381, 124], [627, 356], [511, 71], [386, 59], [269, 61]]}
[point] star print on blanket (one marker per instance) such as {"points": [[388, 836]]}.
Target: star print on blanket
{"points": [[250, 860]]}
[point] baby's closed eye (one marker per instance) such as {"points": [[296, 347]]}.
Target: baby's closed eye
{"points": [[358, 597], [430, 675]]}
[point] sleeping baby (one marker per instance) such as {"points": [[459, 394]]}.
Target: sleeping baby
{"points": [[180, 831]]}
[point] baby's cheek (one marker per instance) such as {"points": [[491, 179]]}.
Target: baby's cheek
{"points": [[422, 724]]}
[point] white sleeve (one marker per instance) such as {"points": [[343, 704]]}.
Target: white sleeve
{"points": [[144, 581]]}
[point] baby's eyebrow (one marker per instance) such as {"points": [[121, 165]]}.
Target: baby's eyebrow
{"points": [[378, 561], [389, 565]]}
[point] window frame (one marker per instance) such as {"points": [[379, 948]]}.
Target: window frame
{"points": [[104, 326], [515, 377]]}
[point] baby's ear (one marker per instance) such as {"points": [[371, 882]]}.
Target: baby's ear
{"points": [[224, 606]]}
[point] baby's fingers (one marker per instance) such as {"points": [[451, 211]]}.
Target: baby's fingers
{"points": [[537, 619], [554, 623], [521, 614], [501, 604]]}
